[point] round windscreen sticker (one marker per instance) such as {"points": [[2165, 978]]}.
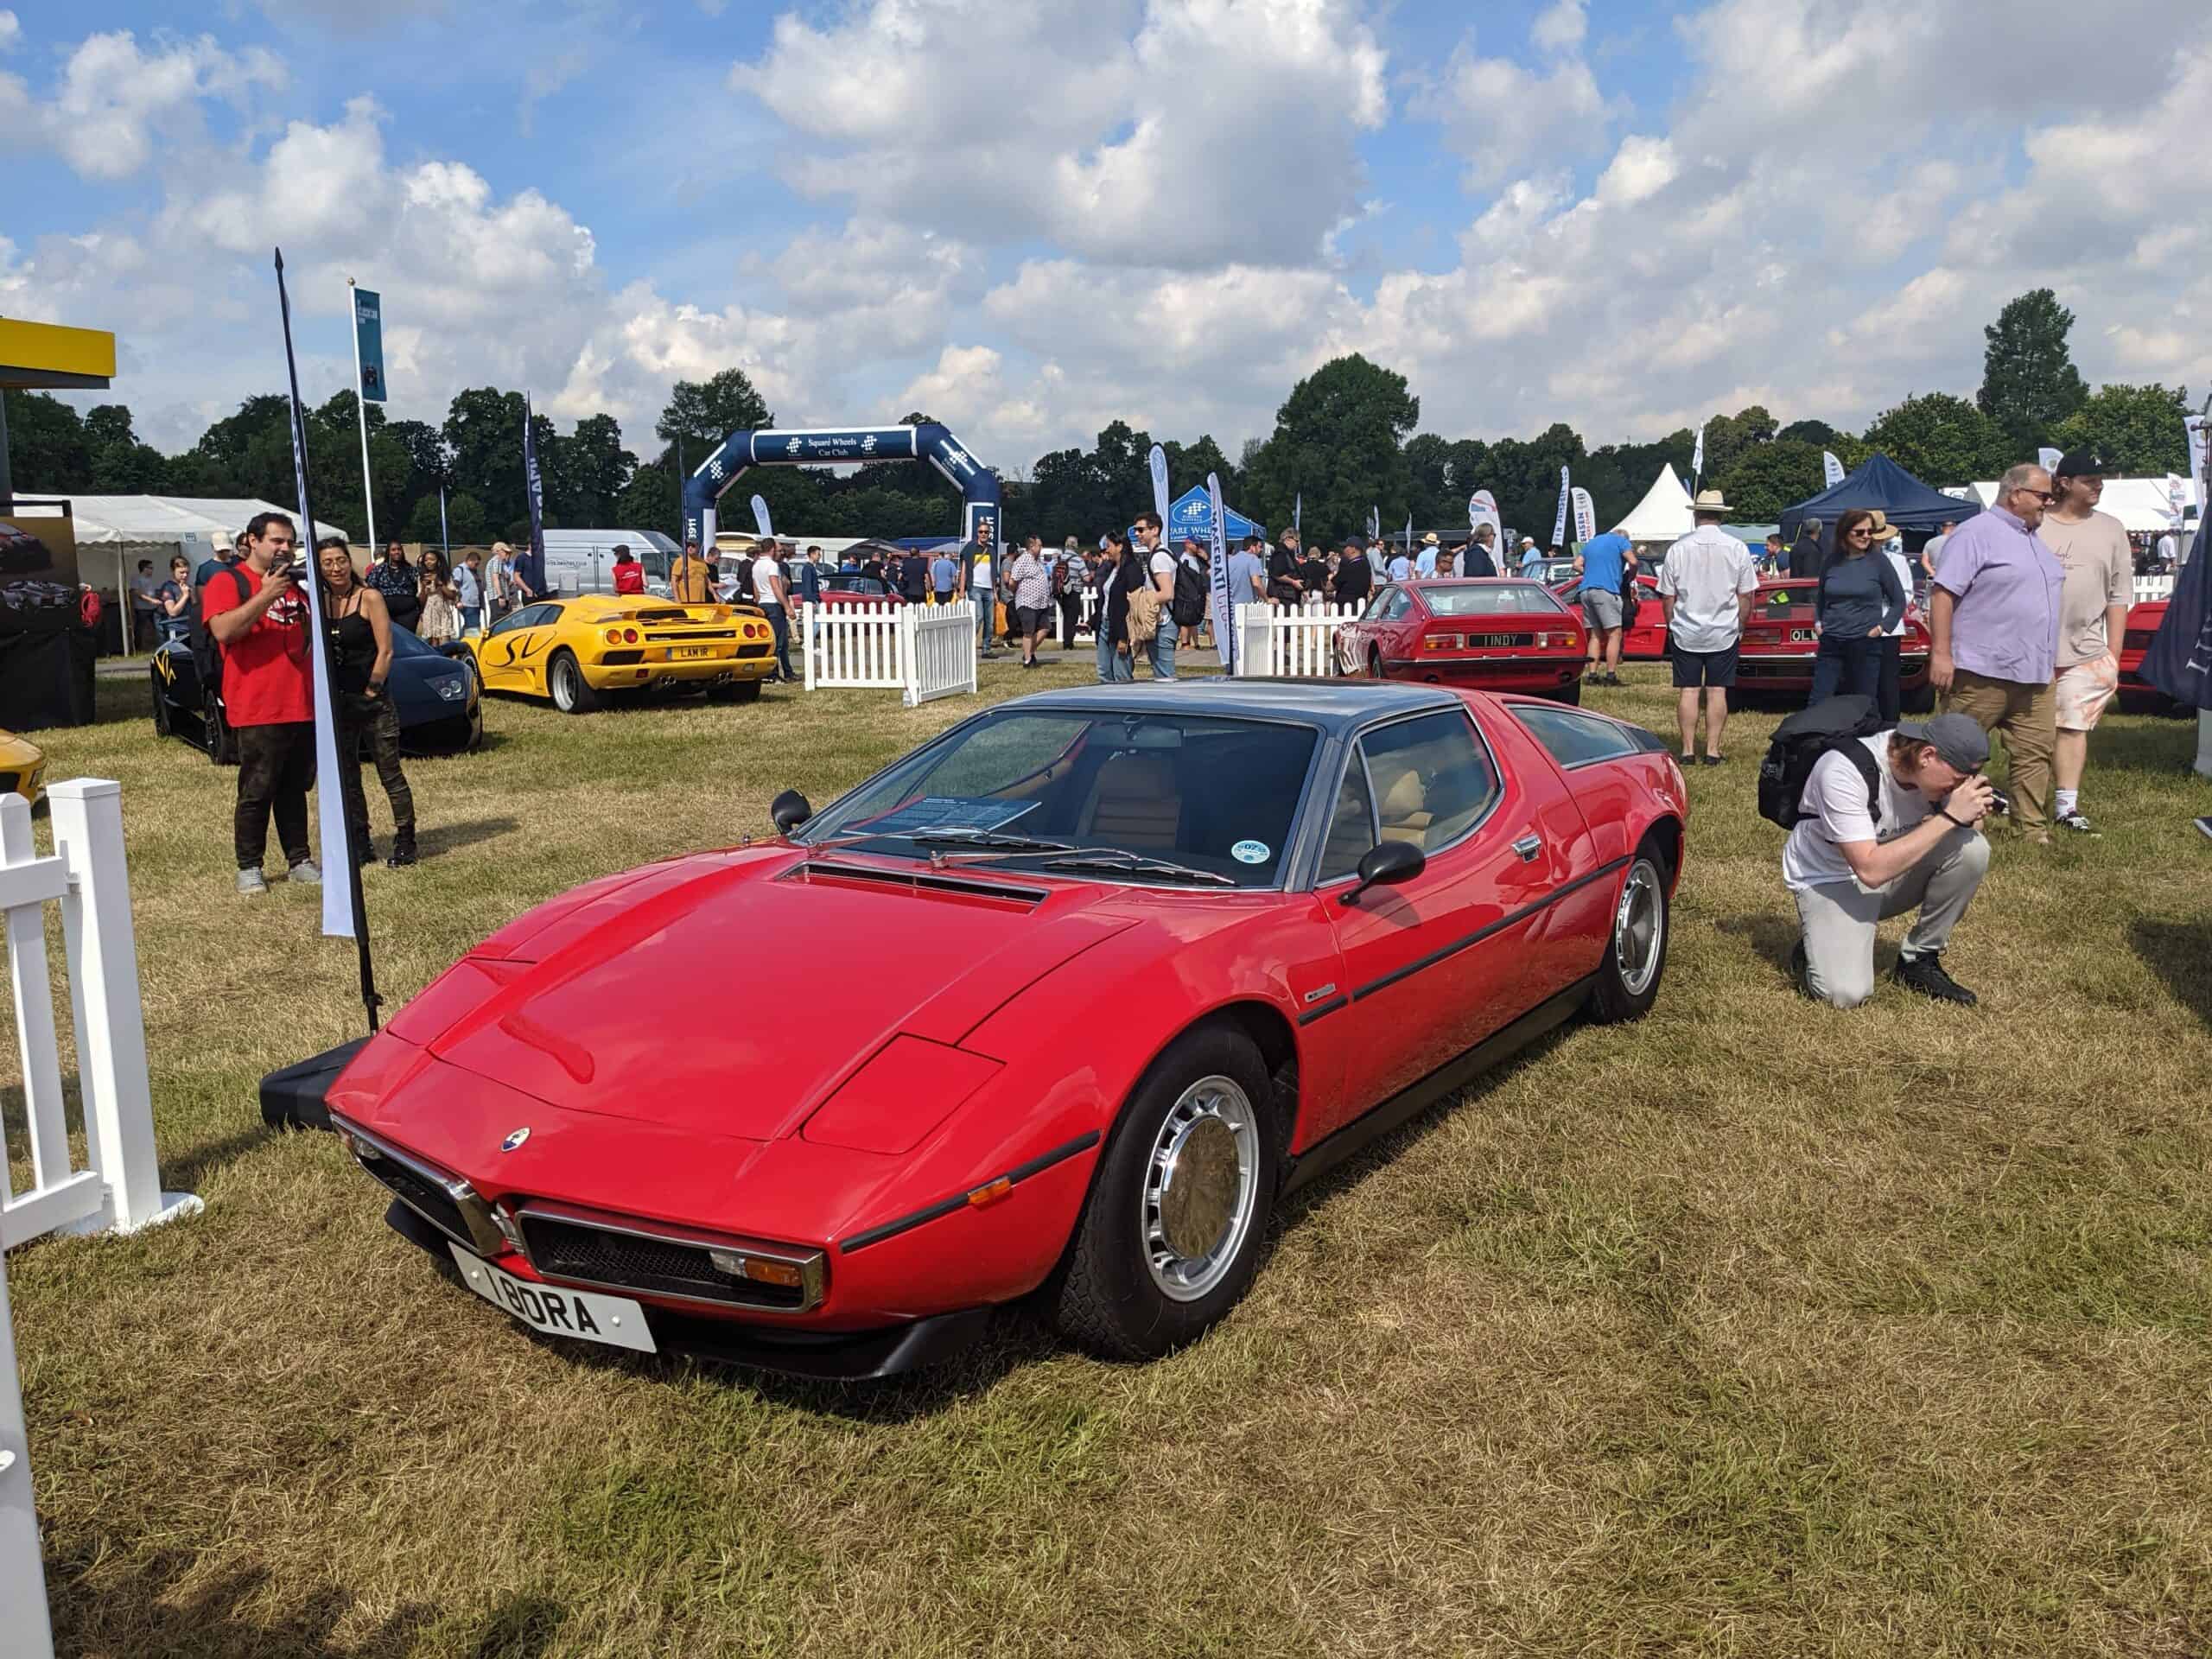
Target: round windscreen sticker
{"points": [[1250, 852]]}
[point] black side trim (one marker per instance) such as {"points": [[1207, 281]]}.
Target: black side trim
{"points": [[943, 1207], [1409, 1101], [292, 1097], [1328, 1007], [1480, 934]]}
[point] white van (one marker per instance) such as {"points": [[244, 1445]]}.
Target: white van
{"points": [[583, 561]]}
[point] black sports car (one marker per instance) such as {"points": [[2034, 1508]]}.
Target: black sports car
{"points": [[439, 705]]}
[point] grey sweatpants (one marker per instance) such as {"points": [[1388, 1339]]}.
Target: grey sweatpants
{"points": [[1837, 919]]}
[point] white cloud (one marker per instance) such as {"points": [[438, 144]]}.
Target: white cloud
{"points": [[115, 99], [11, 30], [1501, 114], [1560, 27]]}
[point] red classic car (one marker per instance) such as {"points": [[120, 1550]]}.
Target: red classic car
{"points": [[1138, 960], [1779, 641], [1503, 633], [2135, 691], [846, 589]]}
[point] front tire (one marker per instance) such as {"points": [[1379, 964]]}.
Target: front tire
{"points": [[1171, 1234], [1635, 954], [162, 728], [565, 683]]}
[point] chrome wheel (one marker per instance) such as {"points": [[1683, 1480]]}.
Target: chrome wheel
{"points": [[1639, 928], [1201, 1188], [567, 678]]}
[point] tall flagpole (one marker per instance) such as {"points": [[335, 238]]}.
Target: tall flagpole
{"points": [[325, 679], [361, 409]]}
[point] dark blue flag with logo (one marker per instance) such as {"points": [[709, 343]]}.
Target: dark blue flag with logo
{"points": [[2179, 661], [534, 487]]}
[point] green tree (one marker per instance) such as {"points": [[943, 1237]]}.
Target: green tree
{"points": [[1435, 502], [483, 432], [704, 412], [48, 450], [1940, 440], [1338, 439], [2028, 383], [1818, 432], [1727, 436], [2137, 428], [1769, 477]]}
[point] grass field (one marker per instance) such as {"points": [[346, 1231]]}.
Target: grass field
{"points": [[1752, 1329]]}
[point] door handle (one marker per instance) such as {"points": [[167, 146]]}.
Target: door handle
{"points": [[1529, 846]]}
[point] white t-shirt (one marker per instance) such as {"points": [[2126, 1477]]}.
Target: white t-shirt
{"points": [[765, 572], [1836, 804], [979, 576], [1903, 566], [1706, 571], [1162, 564]]}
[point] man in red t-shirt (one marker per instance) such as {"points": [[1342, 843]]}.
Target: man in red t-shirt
{"points": [[260, 621]]}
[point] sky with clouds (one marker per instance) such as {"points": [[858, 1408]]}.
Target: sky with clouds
{"points": [[1031, 216]]}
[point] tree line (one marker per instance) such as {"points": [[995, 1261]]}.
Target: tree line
{"points": [[1344, 442]]}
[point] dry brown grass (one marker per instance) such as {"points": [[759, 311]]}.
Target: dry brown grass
{"points": [[1751, 1329]]}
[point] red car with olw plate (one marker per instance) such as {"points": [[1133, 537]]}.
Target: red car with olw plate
{"points": [[1502, 633], [1120, 967], [2145, 618]]}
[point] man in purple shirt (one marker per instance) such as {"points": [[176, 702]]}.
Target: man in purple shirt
{"points": [[1993, 613]]}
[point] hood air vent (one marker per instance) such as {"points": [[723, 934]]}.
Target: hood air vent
{"points": [[921, 879]]}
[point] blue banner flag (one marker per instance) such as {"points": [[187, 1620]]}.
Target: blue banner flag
{"points": [[2179, 661], [368, 343], [341, 883], [1297, 514], [1559, 524], [534, 487], [1224, 603]]}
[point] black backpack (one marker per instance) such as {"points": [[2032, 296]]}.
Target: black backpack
{"points": [[1190, 587], [1833, 727], [207, 655]]}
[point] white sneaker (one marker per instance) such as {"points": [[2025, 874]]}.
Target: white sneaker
{"points": [[2074, 822], [305, 873], [250, 881]]}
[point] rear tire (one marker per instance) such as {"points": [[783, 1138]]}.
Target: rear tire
{"points": [[1635, 951], [1572, 695], [746, 691], [565, 683], [1171, 1233], [1373, 665]]}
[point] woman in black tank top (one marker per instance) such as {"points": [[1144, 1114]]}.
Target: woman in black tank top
{"points": [[359, 627]]}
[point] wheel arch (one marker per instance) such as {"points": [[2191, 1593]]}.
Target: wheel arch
{"points": [[1664, 835]]}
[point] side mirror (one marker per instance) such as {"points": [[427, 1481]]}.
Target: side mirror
{"points": [[1385, 864], [790, 810]]}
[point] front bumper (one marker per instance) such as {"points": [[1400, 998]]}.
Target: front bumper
{"points": [[832, 1356]]}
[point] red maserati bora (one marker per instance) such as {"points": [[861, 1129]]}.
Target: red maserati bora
{"points": [[1500, 632], [1118, 968]]}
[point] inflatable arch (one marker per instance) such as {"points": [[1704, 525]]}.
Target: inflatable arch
{"points": [[822, 446]]}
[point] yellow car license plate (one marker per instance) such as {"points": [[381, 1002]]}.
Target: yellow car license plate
{"points": [[678, 653]]}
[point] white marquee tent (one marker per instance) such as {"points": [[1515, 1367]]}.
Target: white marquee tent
{"points": [[1663, 515], [2139, 504]]}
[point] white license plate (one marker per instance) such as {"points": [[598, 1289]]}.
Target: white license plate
{"points": [[1800, 636], [614, 1320]]}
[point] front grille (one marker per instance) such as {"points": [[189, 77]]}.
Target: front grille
{"points": [[1785, 668], [754, 651], [421, 1195], [561, 1249]]}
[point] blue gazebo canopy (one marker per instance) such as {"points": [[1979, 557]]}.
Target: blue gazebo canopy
{"points": [[1192, 514]]}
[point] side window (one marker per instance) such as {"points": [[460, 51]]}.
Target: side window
{"points": [[524, 618], [1432, 778], [1374, 611], [1397, 602], [1351, 825], [1573, 738]]}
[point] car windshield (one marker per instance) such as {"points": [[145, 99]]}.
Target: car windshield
{"points": [[1166, 799], [1493, 599]]}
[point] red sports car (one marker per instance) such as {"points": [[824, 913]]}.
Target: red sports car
{"points": [[1119, 966], [1779, 641], [1502, 633], [846, 589], [2135, 691]]}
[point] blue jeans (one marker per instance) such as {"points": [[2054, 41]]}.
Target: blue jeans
{"points": [[781, 623], [1847, 666], [982, 599], [1163, 648], [472, 619], [1113, 667]]}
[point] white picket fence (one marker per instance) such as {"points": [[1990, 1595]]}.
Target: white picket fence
{"points": [[921, 651], [2151, 587], [119, 1188], [1279, 642]]}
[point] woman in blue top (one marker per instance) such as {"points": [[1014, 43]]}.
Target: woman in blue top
{"points": [[1858, 600]]}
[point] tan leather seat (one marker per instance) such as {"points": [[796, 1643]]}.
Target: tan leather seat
{"points": [[1134, 802], [1402, 808]]}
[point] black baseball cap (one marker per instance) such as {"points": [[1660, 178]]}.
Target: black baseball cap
{"points": [[2084, 463]]}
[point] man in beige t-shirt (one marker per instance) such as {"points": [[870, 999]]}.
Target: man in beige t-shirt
{"points": [[2092, 616]]}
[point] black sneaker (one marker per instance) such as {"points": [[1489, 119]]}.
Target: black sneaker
{"points": [[2074, 822], [1925, 974]]}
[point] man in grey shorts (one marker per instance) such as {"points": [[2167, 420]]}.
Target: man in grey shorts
{"points": [[1849, 870]]}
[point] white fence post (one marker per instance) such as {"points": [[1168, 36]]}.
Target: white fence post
{"points": [[806, 641], [110, 1017], [22, 1571]]}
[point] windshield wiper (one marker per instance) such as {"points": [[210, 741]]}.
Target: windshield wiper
{"points": [[1108, 858], [984, 838]]}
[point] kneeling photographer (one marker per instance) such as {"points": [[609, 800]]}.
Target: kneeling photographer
{"points": [[1885, 824]]}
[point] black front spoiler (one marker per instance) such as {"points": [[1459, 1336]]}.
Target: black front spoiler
{"points": [[292, 1098], [834, 1356]]}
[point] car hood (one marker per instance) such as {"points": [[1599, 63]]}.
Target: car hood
{"points": [[730, 994]]}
